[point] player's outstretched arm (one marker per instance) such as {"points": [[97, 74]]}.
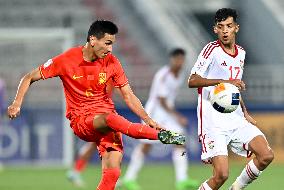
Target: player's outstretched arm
{"points": [[14, 109], [135, 105], [196, 81]]}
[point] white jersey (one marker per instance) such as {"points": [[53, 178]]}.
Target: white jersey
{"points": [[164, 85], [214, 63]]}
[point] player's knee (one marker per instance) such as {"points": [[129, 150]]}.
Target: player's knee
{"points": [[100, 123], [266, 158], [221, 176]]}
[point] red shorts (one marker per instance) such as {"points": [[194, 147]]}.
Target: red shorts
{"points": [[83, 128]]}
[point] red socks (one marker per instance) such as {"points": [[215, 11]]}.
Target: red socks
{"points": [[134, 130], [80, 165], [109, 179]]}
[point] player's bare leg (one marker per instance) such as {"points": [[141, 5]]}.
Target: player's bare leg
{"points": [[111, 161], [135, 164], [220, 174], [263, 157], [81, 162], [111, 121]]}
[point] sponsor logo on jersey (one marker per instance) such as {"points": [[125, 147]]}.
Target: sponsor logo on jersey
{"points": [[46, 64], [76, 77], [224, 64], [102, 78]]}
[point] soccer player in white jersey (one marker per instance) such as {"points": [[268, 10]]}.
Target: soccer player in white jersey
{"points": [[223, 61], [160, 105]]}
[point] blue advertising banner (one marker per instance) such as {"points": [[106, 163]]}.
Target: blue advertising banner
{"points": [[36, 136]]}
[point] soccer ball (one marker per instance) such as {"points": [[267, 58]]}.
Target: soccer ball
{"points": [[225, 97]]}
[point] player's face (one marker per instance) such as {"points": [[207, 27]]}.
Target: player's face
{"points": [[102, 46], [177, 62], [226, 30]]}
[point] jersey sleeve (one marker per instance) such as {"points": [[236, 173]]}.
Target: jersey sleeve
{"points": [[119, 77], [53, 67], [203, 62]]}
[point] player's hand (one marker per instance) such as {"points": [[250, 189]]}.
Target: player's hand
{"points": [[153, 124], [238, 83], [13, 110]]}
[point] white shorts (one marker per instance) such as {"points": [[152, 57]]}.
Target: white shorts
{"points": [[216, 142], [169, 123]]}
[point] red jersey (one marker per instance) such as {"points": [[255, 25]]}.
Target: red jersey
{"points": [[85, 84]]}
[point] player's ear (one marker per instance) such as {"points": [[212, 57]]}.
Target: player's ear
{"points": [[237, 28], [93, 40], [215, 29]]}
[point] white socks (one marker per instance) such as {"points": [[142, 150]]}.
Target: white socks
{"points": [[249, 174], [135, 164], [204, 186], [180, 161]]}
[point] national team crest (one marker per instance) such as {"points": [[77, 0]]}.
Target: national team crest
{"points": [[211, 144], [102, 78]]}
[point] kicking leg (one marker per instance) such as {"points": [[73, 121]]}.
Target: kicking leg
{"points": [[263, 157], [112, 121], [220, 174]]}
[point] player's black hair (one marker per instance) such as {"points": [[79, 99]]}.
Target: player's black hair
{"points": [[224, 13], [101, 27], [177, 51]]}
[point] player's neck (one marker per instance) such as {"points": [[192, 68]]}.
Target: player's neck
{"points": [[88, 54], [229, 48]]}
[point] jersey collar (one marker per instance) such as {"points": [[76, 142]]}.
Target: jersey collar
{"points": [[232, 55]]}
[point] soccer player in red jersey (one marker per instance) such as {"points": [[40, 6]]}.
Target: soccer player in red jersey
{"points": [[86, 72]]}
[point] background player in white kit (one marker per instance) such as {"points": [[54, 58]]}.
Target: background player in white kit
{"points": [[160, 106], [223, 61]]}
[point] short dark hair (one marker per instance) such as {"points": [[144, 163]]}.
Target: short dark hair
{"points": [[177, 51], [224, 13], [100, 27]]}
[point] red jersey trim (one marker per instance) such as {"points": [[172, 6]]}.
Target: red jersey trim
{"points": [[208, 47], [240, 47], [236, 50], [211, 50], [119, 86], [41, 74]]}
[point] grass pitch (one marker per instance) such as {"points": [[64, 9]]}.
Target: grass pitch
{"points": [[152, 177]]}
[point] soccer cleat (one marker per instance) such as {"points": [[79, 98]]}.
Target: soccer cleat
{"points": [[235, 186], [130, 185], [75, 178], [187, 184], [168, 137]]}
